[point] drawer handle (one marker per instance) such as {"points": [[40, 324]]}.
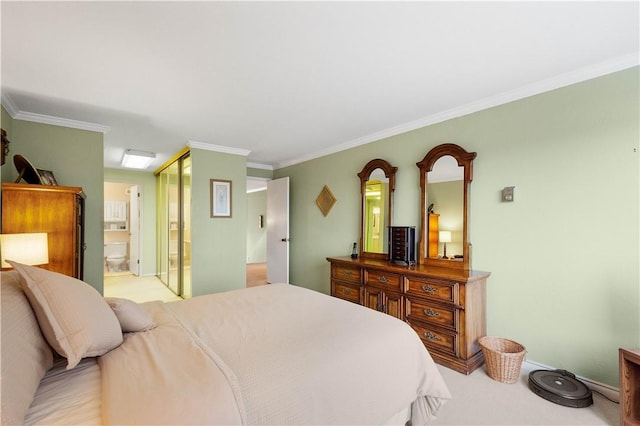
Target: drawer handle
{"points": [[383, 279], [431, 336], [346, 291], [427, 288], [431, 313], [347, 273]]}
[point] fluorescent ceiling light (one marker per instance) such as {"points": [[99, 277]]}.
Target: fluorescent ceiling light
{"points": [[137, 159]]}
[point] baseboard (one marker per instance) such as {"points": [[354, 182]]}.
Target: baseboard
{"points": [[606, 390]]}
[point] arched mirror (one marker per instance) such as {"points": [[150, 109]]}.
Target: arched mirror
{"points": [[445, 174], [377, 184]]}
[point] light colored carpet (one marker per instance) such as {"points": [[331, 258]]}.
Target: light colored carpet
{"points": [[138, 289], [256, 274], [480, 400]]}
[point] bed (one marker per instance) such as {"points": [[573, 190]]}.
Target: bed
{"points": [[274, 354]]}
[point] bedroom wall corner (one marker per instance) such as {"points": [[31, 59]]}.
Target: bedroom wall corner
{"points": [[219, 245], [58, 149], [564, 256]]}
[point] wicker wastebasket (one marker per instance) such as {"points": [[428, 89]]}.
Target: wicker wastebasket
{"points": [[503, 358]]}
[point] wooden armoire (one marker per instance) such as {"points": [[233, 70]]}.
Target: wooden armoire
{"points": [[56, 210]]}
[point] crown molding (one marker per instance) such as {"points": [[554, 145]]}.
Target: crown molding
{"points": [[64, 122], [260, 166], [556, 82], [17, 114], [218, 148], [8, 104]]}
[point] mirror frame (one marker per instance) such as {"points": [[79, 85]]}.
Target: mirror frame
{"points": [[464, 159], [390, 173]]}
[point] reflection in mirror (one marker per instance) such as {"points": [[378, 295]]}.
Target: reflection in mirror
{"points": [[445, 192], [445, 174], [377, 184], [377, 188]]}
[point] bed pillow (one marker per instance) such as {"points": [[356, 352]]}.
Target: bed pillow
{"points": [[131, 316], [73, 316], [26, 356]]}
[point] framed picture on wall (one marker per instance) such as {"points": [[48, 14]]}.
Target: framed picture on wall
{"points": [[220, 198]]}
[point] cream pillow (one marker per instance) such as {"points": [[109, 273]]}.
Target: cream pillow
{"points": [[131, 316], [26, 356], [73, 316]]}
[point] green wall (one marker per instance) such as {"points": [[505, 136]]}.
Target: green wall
{"points": [[219, 245], [261, 173], [6, 122], [563, 257], [76, 159], [147, 182]]}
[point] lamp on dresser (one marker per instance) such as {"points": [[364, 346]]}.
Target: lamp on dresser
{"points": [[28, 248]]}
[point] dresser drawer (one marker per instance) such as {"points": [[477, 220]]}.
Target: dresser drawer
{"points": [[444, 316], [347, 273], [440, 290], [436, 339], [346, 292], [385, 280]]}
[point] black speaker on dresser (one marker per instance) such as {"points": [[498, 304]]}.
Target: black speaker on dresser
{"points": [[402, 245]]}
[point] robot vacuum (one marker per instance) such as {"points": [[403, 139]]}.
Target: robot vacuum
{"points": [[560, 387]]}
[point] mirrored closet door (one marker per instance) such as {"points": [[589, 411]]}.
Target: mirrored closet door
{"points": [[174, 225]]}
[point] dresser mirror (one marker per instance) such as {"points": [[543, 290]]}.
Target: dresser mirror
{"points": [[445, 175], [377, 185]]}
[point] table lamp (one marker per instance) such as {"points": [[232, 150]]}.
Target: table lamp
{"points": [[445, 237], [29, 249]]}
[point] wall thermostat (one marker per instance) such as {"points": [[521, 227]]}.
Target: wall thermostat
{"points": [[507, 193]]}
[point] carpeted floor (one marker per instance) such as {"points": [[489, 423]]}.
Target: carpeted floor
{"points": [[480, 400], [138, 289], [256, 274]]}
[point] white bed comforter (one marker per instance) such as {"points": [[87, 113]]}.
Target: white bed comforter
{"points": [[275, 354]]}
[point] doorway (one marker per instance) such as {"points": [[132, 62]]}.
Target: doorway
{"points": [[267, 230], [256, 231], [122, 230]]}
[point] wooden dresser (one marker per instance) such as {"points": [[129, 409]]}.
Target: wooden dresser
{"points": [[56, 210], [629, 387], [445, 306]]}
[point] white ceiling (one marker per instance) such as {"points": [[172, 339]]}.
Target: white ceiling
{"points": [[289, 81]]}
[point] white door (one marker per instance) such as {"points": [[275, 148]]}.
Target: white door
{"points": [[134, 230], [278, 230]]}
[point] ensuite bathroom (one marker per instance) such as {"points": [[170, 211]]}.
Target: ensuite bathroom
{"points": [[117, 228]]}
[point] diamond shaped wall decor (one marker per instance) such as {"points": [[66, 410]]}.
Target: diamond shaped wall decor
{"points": [[325, 200]]}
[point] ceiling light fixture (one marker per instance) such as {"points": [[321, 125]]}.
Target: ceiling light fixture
{"points": [[133, 159]]}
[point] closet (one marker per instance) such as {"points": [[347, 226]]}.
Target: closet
{"points": [[56, 210], [173, 185]]}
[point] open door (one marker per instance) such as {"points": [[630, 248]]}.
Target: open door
{"points": [[134, 230], [278, 230]]}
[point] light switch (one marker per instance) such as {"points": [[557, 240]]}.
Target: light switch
{"points": [[507, 194]]}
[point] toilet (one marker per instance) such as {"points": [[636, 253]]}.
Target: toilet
{"points": [[115, 254]]}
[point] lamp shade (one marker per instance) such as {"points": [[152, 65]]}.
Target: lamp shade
{"points": [[445, 236], [30, 249]]}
